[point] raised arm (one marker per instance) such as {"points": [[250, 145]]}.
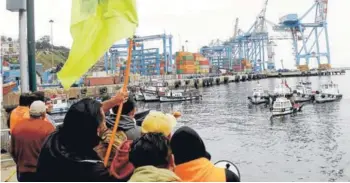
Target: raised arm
{"points": [[114, 101]]}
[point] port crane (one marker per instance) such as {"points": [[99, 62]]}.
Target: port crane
{"points": [[306, 36], [145, 61]]}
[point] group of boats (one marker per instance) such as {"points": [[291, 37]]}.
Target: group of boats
{"points": [[284, 100], [159, 91]]}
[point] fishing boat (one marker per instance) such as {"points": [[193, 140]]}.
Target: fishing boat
{"points": [[153, 90], [180, 95], [59, 105], [282, 106], [282, 89], [302, 93], [259, 96], [139, 96], [328, 93], [7, 87], [301, 82]]}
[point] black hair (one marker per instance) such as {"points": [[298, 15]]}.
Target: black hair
{"points": [[24, 99], [79, 130], [150, 149], [40, 95], [187, 145], [31, 98], [128, 106]]}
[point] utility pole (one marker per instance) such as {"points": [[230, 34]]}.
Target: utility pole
{"points": [[51, 23], [20, 6], [31, 45]]}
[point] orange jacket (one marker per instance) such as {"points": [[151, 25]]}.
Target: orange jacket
{"points": [[17, 115], [200, 170]]}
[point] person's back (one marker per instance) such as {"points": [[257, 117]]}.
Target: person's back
{"points": [[21, 111], [26, 141], [58, 165], [67, 155], [127, 122], [154, 122], [151, 158], [193, 161]]}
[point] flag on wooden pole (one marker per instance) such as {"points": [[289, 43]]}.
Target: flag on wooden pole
{"points": [[95, 26]]}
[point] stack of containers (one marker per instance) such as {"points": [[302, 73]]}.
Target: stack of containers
{"points": [[162, 64], [185, 63], [202, 63]]}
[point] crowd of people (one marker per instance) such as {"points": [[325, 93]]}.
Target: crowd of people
{"points": [[75, 150]]}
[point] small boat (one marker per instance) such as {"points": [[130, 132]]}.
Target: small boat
{"points": [[301, 82], [153, 91], [302, 93], [282, 89], [7, 87], [59, 105], [180, 95], [329, 92], [282, 106], [259, 96]]}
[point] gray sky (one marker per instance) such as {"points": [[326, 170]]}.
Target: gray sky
{"points": [[197, 21]]}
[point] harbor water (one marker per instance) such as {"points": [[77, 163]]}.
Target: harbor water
{"points": [[312, 146]]}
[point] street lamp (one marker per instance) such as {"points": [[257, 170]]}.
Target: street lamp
{"points": [[186, 45], [51, 36]]}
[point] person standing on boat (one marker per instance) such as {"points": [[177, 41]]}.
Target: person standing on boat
{"points": [[151, 157], [193, 161], [27, 138], [68, 153]]}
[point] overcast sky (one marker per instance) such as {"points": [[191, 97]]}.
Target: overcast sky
{"points": [[197, 21]]}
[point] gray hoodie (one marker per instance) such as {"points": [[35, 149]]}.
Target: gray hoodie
{"points": [[126, 124]]}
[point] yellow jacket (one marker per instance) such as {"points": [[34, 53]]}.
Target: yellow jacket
{"points": [[153, 174]]}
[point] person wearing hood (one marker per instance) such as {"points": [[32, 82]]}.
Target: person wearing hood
{"points": [[68, 155], [151, 157], [154, 122], [127, 122], [193, 161]]}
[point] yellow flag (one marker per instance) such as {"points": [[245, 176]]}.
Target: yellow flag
{"points": [[95, 26]]}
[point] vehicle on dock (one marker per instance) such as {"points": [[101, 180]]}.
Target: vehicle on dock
{"points": [[302, 93], [328, 93], [260, 96], [282, 106], [175, 95]]}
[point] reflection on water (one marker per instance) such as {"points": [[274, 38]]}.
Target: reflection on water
{"points": [[312, 146]]}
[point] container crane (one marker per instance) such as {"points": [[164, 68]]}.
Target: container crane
{"points": [[306, 50], [144, 61]]}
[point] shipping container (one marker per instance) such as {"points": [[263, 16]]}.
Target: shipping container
{"points": [[190, 57], [205, 62]]}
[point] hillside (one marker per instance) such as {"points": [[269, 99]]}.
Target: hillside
{"points": [[45, 57]]}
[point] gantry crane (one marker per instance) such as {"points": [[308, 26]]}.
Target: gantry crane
{"points": [[304, 48], [144, 61]]}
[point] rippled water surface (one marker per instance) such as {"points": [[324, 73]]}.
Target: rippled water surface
{"points": [[312, 146]]}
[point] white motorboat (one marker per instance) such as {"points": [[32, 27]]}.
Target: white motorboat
{"points": [[302, 93], [328, 93], [282, 106], [59, 105], [179, 95], [139, 96], [259, 96], [282, 89]]}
